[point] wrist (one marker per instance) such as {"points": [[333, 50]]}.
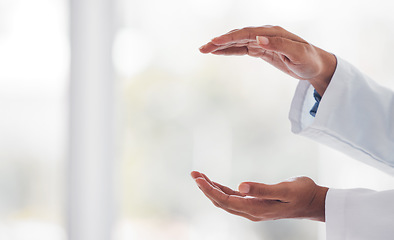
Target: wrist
{"points": [[329, 64], [318, 205]]}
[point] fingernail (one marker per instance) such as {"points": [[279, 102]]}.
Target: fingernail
{"points": [[202, 47], [262, 40], [244, 188]]}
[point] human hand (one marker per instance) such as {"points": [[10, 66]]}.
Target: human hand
{"points": [[295, 198], [282, 49]]}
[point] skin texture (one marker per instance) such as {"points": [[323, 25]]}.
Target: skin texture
{"points": [[280, 48], [298, 197]]}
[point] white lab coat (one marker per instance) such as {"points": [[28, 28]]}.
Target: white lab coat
{"points": [[355, 116]]}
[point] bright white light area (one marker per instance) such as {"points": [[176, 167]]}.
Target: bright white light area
{"points": [[34, 58], [31, 230], [34, 49], [132, 52]]}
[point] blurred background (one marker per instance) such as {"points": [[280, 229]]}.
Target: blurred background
{"points": [[172, 110]]}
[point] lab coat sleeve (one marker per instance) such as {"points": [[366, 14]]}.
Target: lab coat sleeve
{"points": [[355, 116], [359, 214]]}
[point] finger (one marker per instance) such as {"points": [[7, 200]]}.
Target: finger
{"points": [[250, 33], [234, 51], [233, 30], [232, 202], [196, 174], [245, 215], [292, 50], [228, 190], [211, 185], [251, 208], [210, 47], [273, 192], [207, 178], [210, 182], [224, 189]]}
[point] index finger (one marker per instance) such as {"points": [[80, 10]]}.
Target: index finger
{"points": [[254, 207], [249, 34], [224, 200], [248, 205]]}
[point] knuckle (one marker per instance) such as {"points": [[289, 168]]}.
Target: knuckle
{"points": [[279, 28], [251, 32], [306, 48], [304, 178], [224, 203], [261, 190]]}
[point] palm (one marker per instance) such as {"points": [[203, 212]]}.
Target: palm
{"points": [[296, 198]]}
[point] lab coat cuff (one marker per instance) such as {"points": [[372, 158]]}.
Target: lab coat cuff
{"points": [[335, 213], [303, 101]]}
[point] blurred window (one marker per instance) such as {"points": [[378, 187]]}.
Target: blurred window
{"points": [[33, 81]]}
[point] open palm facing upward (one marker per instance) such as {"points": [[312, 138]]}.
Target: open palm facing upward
{"points": [[295, 198]]}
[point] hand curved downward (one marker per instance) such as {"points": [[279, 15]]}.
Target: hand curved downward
{"points": [[295, 198], [282, 49]]}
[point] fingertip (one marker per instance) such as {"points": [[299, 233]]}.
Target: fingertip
{"points": [[204, 49], [244, 188], [201, 49], [200, 181], [215, 40], [195, 174], [261, 40]]}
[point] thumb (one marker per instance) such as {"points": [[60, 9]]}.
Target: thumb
{"points": [[274, 192], [293, 50]]}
